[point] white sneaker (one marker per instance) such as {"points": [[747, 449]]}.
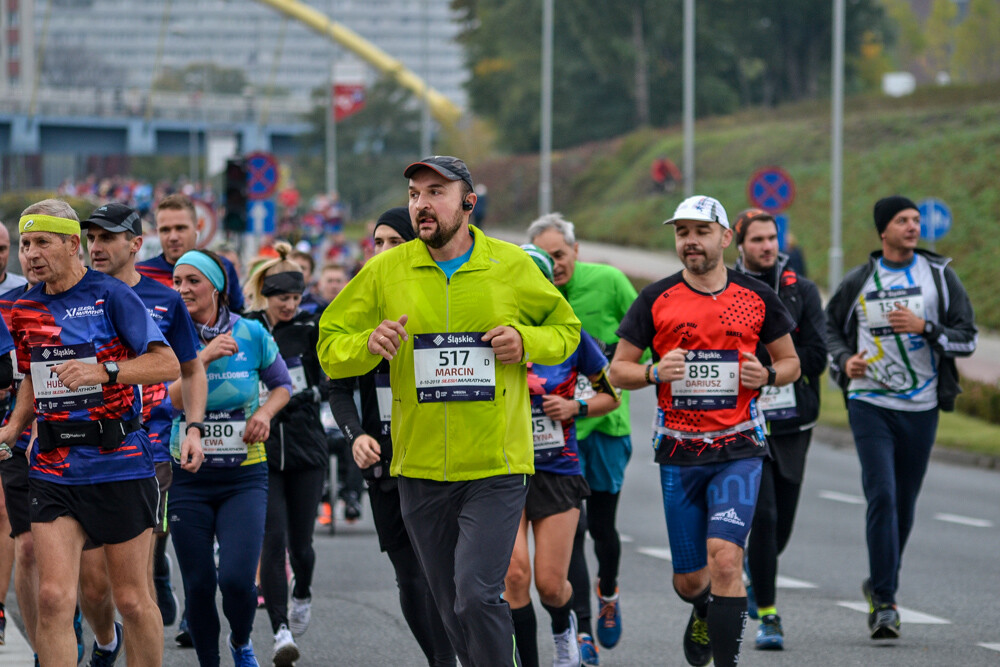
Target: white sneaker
{"points": [[299, 613], [567, 650], [285, 650]]}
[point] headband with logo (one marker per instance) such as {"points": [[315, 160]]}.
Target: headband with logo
{"points": [[48, 223]]}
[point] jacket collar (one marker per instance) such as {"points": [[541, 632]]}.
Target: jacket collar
{"points": [[478, 261], [779, 268]]}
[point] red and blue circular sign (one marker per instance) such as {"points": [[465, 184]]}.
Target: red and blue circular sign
{"points": [[772, 189], [262, 175]]}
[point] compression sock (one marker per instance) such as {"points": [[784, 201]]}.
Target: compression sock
{"points": [[767, 611], [525, 635], [727, 617], [700, 601], [560, 616]]}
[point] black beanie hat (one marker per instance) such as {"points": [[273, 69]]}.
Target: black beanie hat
{"points": [[399, 219], [887, 208]]}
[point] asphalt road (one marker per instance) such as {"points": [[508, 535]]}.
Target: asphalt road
{"points": [[950, 581]]}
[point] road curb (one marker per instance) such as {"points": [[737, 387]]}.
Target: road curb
{"points": [[841, 438]]}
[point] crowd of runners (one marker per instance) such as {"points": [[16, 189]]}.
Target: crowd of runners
{"points": [[477, 391]]}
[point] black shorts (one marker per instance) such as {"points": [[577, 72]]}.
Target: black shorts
{"points": [[164, 478], [14, 472], [384, 497], [550, 494], [108, 512]]}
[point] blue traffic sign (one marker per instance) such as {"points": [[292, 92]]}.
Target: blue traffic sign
{"points": [[262, 175], [771, 188], [935, 219], [260, 216]]}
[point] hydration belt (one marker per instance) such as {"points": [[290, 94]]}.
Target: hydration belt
{"points": [[755, 423], [108, 433]]}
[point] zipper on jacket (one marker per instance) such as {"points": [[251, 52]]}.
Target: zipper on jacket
{"points": [[447, 326], [281, 439]]}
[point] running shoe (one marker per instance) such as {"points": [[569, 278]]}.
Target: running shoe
{"points": [[588, 649], [697, 645], [770, 636], [101, 658], [609, 620], [352, 506], [748, 584], [285, 650], [78, 630], [567, 650], [866, 590], [243, 656], [183, 637], [299, 613], [3, 626], [884, 621], [166, 599], [325, 517]]}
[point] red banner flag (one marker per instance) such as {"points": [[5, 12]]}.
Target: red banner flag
{"points": [[348, 99]]}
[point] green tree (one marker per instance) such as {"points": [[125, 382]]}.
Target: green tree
{"points": [[940, 35], [379, 139], [977, 43]]}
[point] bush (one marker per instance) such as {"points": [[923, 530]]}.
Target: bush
{"points": [[979, 399]]}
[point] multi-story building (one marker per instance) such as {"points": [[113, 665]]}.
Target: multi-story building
{"points": [[116, 43], [17, 43]]}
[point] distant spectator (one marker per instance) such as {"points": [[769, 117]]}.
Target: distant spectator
{"points": [[482, 203], [796, 260], [8, 281]]}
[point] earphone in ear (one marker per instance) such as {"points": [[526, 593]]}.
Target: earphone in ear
{"points": [[467, 205]]}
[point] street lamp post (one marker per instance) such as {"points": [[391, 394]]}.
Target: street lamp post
{"points": [[545, 161], [837, 149], [688, 98]]}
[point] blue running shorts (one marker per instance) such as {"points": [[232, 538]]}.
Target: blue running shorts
{"points": [[603, 459], [714, 500]]}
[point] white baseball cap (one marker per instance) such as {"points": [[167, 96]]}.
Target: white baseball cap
{"points": [[702, 209]]}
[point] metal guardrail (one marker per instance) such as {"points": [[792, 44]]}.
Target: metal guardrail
{"points": [[179, 106]]}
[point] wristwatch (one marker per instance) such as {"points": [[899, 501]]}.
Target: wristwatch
{"points": [[197, 425], [112, 370], [928, 327], [772, 375], [584, 408]]}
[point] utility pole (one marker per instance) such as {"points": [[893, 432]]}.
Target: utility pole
{"points": [[545, 153], [688, 98], [837, 149]]}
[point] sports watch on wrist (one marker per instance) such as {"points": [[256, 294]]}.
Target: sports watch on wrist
{"points": [[584, 408], [772, 375], [928, 327], [112, 370], [197, 425]]}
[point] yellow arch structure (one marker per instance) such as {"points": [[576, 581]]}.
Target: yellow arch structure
{"points": [[443, 109]]}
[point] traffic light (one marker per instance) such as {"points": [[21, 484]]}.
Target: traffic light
{"points": [[235, 218]]}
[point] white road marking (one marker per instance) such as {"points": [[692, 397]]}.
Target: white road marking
{"points": [[626, 538], [788, 582], [905, 615], [964, 520], [838, 497], [662, 553], [992, 647]]}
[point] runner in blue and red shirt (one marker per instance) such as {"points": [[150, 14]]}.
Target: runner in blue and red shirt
{"points": [[555, 492], [14, 472], [114, 236], [84, 343], [703, 326], [177, 226]]}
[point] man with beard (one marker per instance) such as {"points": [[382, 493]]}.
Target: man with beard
{"points": [[791, 413], [703, 326], [459, 315]]}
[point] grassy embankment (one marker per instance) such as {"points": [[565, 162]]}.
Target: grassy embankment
{"points": [[940, 142]]}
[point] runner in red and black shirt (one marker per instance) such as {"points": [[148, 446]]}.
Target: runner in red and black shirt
{"points": [[703, 326]]}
